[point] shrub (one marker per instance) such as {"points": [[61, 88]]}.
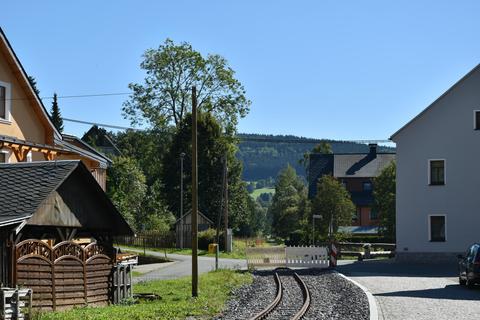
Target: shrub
{"points": [[208, 236], [295, 238]]}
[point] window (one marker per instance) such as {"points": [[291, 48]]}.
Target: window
{"points": [[437, 226], [476, 119], [4, 155], [367, 186], [29, 156], [4, 101], [437, 172], [373, 214], [344, 184]]}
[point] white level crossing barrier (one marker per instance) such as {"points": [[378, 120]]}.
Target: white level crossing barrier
{"points": [[300, 257], [307, 257]]}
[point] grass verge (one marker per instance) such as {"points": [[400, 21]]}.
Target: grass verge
{"points": [[176, 303], [239, 246]]}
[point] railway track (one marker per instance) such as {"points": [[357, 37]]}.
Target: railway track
{"points": [[291, 301]]}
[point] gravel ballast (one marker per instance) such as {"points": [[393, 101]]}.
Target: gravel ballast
{"points": [[332, 296]]}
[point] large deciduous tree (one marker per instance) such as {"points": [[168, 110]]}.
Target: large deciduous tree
{"points": [[333, 204], [165, 96], [384, 203], [213, 146], [141, 205]]}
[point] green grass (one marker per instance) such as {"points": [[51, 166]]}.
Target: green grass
{"points": [[257, 192], [176, 303], [238, 252]]}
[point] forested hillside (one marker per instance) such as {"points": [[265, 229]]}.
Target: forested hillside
{"points": [[262, 160]]}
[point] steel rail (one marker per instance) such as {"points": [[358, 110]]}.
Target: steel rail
{"points": [[265, 312], [306, 298]]}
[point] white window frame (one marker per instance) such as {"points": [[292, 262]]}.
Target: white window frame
{"points": [[430, 172], [8, 102], [430, 227], [29, 156], [7, 155], [475, 119]]}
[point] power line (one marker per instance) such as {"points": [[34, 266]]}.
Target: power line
{"points": [[79, 96], [101, 124]]}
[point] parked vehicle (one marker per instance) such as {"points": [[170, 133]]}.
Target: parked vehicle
{"points": [[469, 266]]}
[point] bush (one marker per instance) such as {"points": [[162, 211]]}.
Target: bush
{"points": [[295, 238], [208, 236]]}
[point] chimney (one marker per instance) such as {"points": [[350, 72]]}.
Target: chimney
{"points": [[373, 148]]}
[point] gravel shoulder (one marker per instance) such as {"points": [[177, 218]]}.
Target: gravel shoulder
{"points": [[333, 297]]}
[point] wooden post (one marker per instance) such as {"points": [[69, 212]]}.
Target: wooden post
{"points": [[194, 196], [225, 208]]}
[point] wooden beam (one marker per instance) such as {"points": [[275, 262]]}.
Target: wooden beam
{"points": [[20, 152], [60, 233]]}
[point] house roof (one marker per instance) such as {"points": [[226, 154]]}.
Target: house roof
{"points": [[77, 145], [23, 78], [365, 165], [408, 124], [25, 186], [189, 212]]}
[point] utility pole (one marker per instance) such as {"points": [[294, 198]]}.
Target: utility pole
{"points": [[194, 196], [182, 157], [225, 208]]}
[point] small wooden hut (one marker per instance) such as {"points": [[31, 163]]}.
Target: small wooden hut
{"points": [[46, 207], [183, 228]]}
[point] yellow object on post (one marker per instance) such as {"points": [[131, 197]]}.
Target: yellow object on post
{"points": [[212, 248]]}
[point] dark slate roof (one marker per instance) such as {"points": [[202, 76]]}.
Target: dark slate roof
{"points": [[319, 165], [23, 186], [367, 165]]}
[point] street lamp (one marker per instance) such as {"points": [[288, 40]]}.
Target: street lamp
{"points": [[182, 157], [315, 216]]}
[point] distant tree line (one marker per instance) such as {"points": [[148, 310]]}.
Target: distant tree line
{"points": [[264, 160]]}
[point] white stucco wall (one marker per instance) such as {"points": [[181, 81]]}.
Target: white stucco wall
{"points": [[445, 131]]}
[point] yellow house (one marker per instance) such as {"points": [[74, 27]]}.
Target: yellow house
{"points": [[26, 130]]}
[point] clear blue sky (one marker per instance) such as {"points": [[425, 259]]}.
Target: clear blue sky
{"points": [[321, 69]]}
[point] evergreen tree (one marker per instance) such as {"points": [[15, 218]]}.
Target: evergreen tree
{"points": [[213, 146], [55, 114], [384, 203], [288, 204], [33, 83]]}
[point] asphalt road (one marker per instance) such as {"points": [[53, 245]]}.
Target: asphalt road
{"points": [[415, 291], [182, 266]]}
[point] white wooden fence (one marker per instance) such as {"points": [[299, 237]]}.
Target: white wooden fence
{"points": [[302, 257]]}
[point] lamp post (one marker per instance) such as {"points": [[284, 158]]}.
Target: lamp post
{"points": [[315, 216], [182, 157]]}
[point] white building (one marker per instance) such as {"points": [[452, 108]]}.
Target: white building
{"points": [[438, 175]]}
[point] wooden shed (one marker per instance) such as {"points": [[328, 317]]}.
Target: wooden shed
{"points": [[46, 207], [183, 228]]}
